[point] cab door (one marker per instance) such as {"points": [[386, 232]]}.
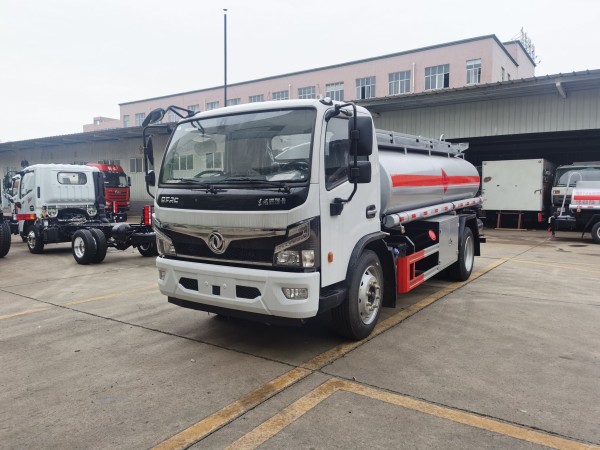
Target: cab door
{"points": [[358, 217]]}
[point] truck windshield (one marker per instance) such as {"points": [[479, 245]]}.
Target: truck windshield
{"points": [[591, 173], [115, 180], [243, 149]]}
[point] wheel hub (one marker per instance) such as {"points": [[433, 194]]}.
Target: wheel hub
{"points": [[369, 296]]}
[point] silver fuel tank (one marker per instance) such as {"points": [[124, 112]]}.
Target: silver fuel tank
{"points": [[411, 180]]}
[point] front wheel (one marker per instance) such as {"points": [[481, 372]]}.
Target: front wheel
{"points": [[35, 242], [4, 237], [357, 316], [596, 233], [462, 268], [83, 246]]}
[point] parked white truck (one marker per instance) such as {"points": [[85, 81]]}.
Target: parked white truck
{"points": [[280, 211], [564, 181], [54, 203]]}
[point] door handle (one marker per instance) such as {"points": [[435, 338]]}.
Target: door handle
{"points": [[371, 211]]}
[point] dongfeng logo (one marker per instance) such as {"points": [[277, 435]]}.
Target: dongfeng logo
{"points": [[216, 242]]}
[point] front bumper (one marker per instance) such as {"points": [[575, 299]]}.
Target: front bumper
{"points": [[241, 289]]}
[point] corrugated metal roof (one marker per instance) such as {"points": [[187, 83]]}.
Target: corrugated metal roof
{"points": [[116, 134], [544, 85]]}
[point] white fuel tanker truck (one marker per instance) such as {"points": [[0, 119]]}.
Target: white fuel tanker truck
{"points": [[280, 211]]}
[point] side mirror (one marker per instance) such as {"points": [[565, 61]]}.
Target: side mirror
{"points": [[128, 181], [149, 151], [361, 173], [150, 178], [360, 130], [154, 116]]}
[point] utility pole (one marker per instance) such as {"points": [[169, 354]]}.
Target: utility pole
{"points": [[225, 55]]}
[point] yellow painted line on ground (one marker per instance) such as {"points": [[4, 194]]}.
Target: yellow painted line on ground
{"points": [[113, 295], [24, 313], [232, 411], [576, 267], [206, 426], [79, 302], [331, 355], [293, 412]]}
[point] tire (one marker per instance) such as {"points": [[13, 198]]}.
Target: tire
{"points": [[461, 270], [4, 238], [357, 316], [35, 243], [148, 249], [101, 245], [596, 233], [83, 246]]}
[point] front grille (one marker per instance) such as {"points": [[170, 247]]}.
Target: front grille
{"points": [[246, 250]]}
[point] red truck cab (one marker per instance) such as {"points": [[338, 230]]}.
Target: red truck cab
{"points": [[116, 186]]}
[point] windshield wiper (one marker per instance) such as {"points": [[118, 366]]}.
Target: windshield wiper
{"points": [[201, 184], [276, 184]]}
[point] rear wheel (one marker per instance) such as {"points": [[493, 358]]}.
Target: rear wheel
{"points": [[148, 249], [461, 269], [596, 232], [83, 246], [35, 242], [356, 317], [4, 237], [101, 246]]}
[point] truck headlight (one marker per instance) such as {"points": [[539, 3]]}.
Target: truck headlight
{"points": [[164, 244], [301, 247]]}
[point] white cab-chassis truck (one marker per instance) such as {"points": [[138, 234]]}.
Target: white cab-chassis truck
{"points": [[53, 203], [280, 211]]}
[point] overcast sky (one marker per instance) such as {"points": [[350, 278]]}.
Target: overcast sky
{"points": [[64, 62]]}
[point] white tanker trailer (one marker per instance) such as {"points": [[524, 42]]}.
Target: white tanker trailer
{"points": [[305, 208]]}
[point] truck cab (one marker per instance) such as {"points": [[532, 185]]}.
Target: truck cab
{"points": [[116, 186], [46, 196], [565, 179]]}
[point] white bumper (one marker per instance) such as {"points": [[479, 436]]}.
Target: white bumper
{"points": [[217, 287]]}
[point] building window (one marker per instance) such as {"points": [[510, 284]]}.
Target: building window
{"points": [[114, 162], [335, 91], [233, 101], [437, 77], [307, 92], [194, 108], [365, 88], [280, 95], [474, 71], [399, 83], [212, 105], [135, 165], [256, 98], [214, 160], [184, 162], [126, 121], [139, 119]]}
